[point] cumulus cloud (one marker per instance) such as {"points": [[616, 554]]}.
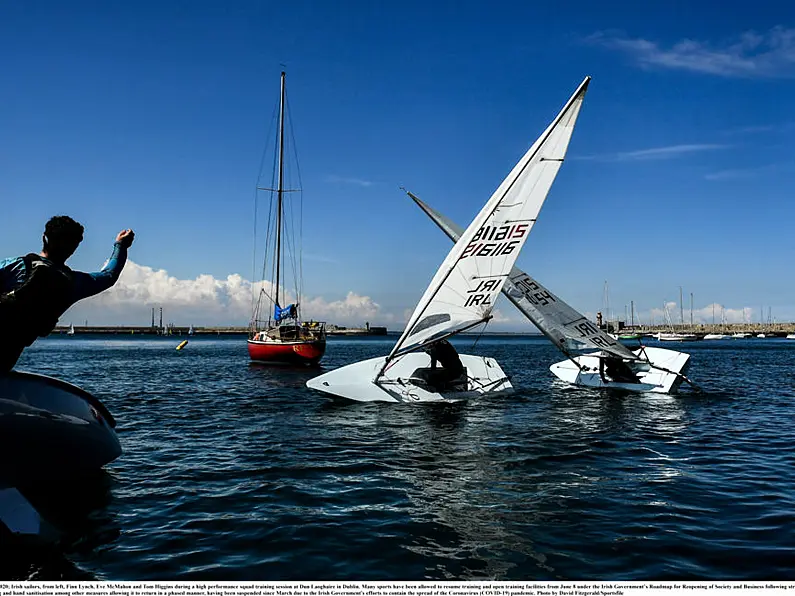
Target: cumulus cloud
{"points": [[205, 301], [750, 55]]}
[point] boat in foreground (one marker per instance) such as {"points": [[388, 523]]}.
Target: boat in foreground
{"points": [[465, 287], [404, 382], [49, 429], [282, 337]]}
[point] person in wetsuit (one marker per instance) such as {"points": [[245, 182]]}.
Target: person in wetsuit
{"points": [[36, 289], [618, 370], [451, 369]]}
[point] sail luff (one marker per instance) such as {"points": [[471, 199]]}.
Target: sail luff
{"points": [[520, 184]]}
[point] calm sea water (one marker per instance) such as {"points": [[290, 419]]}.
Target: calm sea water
{"points": [[236, 471]]}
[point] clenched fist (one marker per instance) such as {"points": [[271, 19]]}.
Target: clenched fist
{"points": [[125, 238]]}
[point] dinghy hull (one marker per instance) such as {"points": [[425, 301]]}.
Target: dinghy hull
{"points": [[49, 427], [651, 379], [356, 381]]}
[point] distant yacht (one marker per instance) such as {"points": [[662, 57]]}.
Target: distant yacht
{"points": [[716, 336]]}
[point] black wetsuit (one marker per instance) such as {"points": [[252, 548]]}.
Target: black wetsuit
{"points": [[619, 371], [35, 292], [446, 355]]}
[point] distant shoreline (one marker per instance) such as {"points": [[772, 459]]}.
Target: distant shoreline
{"points": [[244, 331]]}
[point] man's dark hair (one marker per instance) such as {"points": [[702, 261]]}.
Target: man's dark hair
{"points": [[62, 234]]}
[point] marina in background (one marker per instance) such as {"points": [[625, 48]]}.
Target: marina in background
{"points": [[193, 330]]}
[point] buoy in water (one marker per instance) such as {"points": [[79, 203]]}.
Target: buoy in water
{"points": [[182, 345]]}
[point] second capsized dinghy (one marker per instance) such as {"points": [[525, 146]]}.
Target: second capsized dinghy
{"points": [[614, 365], [462, 293]]}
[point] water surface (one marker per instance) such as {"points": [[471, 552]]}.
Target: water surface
{"points": [[236, 471]]}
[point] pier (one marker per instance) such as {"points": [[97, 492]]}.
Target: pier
{"points": [[174, 330], [768, 329]]}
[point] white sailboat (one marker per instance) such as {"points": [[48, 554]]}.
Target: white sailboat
{"points": [[71, 330], [656, 369], [673, 335], [462, 293], [722, 323]]}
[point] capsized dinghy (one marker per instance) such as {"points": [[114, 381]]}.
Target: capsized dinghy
{"points": [[647, 369], [462, 293]]}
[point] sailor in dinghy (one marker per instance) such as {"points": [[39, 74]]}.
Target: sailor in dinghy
{"points": [[462, 293]]}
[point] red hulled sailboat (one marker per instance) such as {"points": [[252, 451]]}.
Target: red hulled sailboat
{"points": [[283, 337]]}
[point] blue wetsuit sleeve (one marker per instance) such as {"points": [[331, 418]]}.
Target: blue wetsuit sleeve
{"points": [[12, 273], [90, 284]]}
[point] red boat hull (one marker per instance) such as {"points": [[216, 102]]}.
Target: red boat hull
{"points": [[289, 352]]}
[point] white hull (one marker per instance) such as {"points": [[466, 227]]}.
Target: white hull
{"points": [[716, 336], [651, 379], [355, 381], [675, 337], [790, 336]]}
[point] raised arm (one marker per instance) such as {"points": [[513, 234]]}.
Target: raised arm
{"points": [[90, 284]]}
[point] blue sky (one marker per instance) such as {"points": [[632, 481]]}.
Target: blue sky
{"points": [[155, 116]]}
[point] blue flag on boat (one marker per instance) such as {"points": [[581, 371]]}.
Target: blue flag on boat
{"points": [[288, 312]]}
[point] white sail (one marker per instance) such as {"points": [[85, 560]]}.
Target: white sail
{"points": [[462, 293], [553, 317]]}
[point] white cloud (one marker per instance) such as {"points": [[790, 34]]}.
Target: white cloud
{"points": [[751, 55], [657, 153], [700, 315], [738, 173], [205, 301], [743, 130], [348, 180]]}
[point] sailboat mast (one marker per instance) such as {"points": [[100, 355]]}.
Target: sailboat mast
{"points": [[681, 309], [280, 190]]}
